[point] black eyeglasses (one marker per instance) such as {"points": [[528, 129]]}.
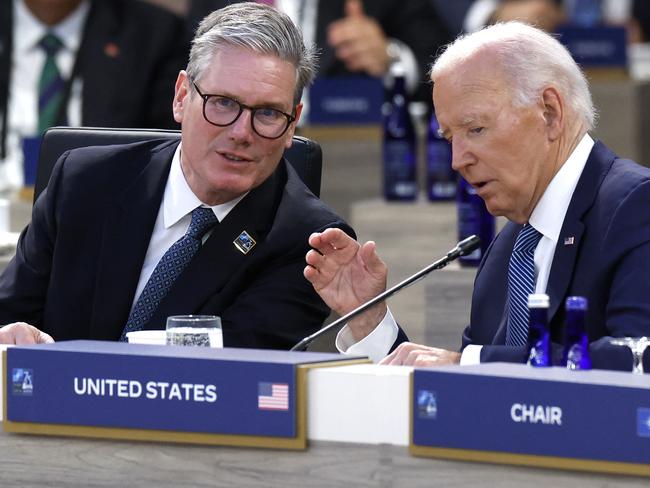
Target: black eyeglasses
{"points": [[222, 111]]}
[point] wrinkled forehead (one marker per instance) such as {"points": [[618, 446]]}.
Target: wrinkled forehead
{"points": [[475, 75]]}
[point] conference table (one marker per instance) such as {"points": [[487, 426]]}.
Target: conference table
{"points": [[46, 461], [50, 461]]}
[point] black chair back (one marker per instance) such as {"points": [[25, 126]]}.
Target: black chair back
{"points": [[304, 154]]}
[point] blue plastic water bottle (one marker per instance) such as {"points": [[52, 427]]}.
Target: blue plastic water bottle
{"points": [[473, 218], [399, 143], [441, 178], [576, 342], [539, 342]]}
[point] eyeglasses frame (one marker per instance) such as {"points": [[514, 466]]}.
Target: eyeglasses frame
{"points": [[242, 106]]}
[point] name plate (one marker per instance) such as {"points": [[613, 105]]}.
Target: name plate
{"points": [[549, 417], [596, 47], [186, 394], [346, 100]]}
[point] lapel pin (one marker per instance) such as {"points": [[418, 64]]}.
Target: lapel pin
{"points": [[111, 50], [244, 242], [568, 241]]}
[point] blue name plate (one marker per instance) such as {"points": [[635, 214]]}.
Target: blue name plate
{"points": [[597, 47], [346, 100], [240, 392], [551, 417]]}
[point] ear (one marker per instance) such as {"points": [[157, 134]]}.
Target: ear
{"points": [[181, 94], [553, 112], [292, 128]]}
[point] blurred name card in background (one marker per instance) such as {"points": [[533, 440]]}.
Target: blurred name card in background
{"points": [[346, 100], [598, 50], [552, 417], [239, 397]]}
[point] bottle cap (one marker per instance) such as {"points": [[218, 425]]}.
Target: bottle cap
{"points": [[538, 300], [397, 70], [576, 303]]}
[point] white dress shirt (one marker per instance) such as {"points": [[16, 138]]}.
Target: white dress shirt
{"points": [[27, 61], [174, 217], [547, 217]]}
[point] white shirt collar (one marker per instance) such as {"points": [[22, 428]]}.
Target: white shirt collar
{"points": [[179, 200], [548, 215], [29, 30]]}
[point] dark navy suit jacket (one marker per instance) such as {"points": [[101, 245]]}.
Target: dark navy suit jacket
{"points": [[607, 261], [78, 263]]}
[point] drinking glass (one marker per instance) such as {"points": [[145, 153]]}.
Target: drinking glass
{"points": [[637, 345], [194, 330]]}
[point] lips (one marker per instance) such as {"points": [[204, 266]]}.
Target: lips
{"points": [[234, 157], [481, 186]]}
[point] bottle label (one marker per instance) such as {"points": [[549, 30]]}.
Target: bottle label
{"points": [[399, 170], [439, 159], [469, 222], [441, 177]]}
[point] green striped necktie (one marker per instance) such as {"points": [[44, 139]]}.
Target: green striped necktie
{"points": [[50, 85]]}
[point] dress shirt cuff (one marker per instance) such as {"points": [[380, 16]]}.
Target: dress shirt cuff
{"points": [[375, 345], [409, 63], [471, 355]]}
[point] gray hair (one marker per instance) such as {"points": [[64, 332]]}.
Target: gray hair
{"points": [[531, 59], [259, 28]]}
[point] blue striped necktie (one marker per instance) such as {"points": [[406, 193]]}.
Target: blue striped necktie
{"points": [[50, 85], [521, 283], [170, 266]]}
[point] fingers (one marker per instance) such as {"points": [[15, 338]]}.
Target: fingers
{"points": [[44, 338], [332, 240], [360, 43], [354, 8], [21, 333], [410, 354], [398, 356], [325, 262], [372, 261]]}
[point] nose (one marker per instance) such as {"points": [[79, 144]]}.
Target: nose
{"points": [[461, 156], [242, 128]]}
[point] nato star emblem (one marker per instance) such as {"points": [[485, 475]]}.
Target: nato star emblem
{"points": [[244, 242]]}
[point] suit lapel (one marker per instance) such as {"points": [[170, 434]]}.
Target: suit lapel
{"points": [[100, 46], [570, 239], [498, 282], [125, 240], [219, 259]]}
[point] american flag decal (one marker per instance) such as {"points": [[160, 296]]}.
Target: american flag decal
{"points": [[273, 396]]}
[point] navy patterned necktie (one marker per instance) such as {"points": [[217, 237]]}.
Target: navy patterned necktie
{"points": [[50, 85], [521, 283], [170, 266]]}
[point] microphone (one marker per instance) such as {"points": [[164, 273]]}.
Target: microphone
{"points": [[463, 248]]}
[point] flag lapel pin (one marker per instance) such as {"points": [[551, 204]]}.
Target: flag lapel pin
{"points": [[244, 242], [569, 241]]}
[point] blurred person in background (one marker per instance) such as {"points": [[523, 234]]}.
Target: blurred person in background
{"points": [[83, 62], [548, 14], [362, 37]]}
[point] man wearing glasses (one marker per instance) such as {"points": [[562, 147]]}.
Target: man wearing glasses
{"points": [[125, 236]]}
